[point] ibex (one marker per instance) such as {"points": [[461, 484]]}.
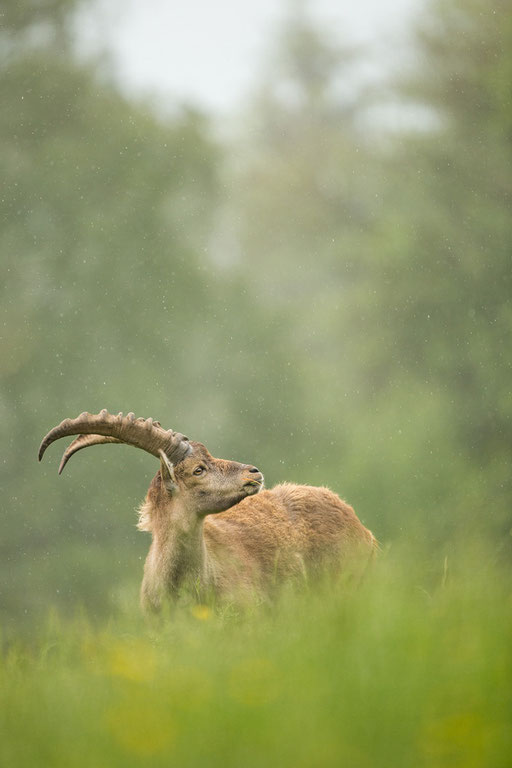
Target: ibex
{"points": [[212, 525]]}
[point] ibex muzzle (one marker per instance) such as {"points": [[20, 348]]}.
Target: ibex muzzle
{"points": [[212, 526]]}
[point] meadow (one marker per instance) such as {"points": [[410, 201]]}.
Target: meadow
{"points": [[317, 284], [410, 668]]}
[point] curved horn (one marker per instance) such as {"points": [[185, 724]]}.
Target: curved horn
{"points": [[141, 433], [84, 441]]}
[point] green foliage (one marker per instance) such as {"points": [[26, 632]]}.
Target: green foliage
{"points": [[316, 298], [21, 16], [413, 668]]}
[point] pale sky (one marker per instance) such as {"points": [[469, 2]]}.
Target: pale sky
{"points": [[211, 53]]}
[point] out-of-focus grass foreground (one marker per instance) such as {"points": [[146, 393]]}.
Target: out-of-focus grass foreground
{"points": [[327, 295]]}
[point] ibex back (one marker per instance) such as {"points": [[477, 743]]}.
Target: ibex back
{"points": [[213, 527]]}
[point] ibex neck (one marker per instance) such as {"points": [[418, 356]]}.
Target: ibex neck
{"points": [[177, 558]]}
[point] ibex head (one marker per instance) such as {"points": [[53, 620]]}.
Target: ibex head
{"points": [[204, 483], [188, 472]]}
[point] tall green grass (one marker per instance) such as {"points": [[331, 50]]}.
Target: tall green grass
{"points": [[412, 668]]}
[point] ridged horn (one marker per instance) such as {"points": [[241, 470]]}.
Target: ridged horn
{"points": [[84, 441], [103, 427]]}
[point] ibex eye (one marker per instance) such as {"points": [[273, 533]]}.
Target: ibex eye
{"points": [[199, 470]]}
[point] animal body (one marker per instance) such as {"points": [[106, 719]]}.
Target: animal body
{"points": [[213, 527]]}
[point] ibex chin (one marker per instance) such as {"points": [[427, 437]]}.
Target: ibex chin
{"points": [[213, 527]]}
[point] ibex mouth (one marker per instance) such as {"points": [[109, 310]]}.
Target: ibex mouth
{"points": [[254, 485]]}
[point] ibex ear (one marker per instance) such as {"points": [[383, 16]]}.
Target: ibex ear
{"points": [[167, 472]]}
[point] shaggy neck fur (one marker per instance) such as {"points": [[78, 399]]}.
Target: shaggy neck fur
{"points": [[177, 557]]}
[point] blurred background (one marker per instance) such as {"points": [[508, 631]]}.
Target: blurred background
{"points": [[281, 228]]}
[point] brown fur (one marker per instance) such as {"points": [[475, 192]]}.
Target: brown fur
{"points": [[247, 549]]}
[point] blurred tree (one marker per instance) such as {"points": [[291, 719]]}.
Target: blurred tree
{"points": [[389, 263], [307, 166], [299, 199], [305, 204], [105, 213], [443, 282], [22, 16]]}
